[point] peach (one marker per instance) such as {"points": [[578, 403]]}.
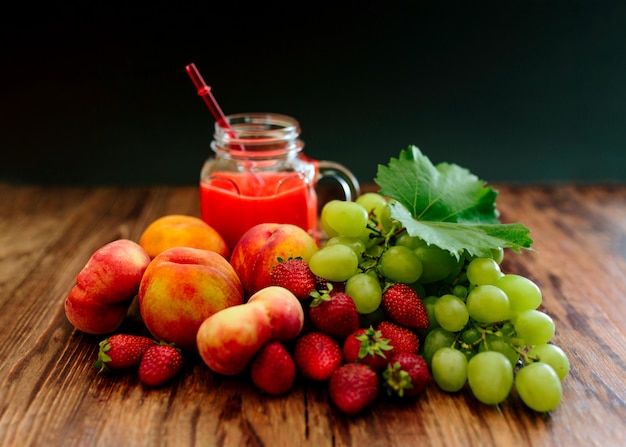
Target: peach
{"points": [[179, 230], [286, 315], [260, 248], [106, 286], [92, 316], [181, 288], [228, 340]]}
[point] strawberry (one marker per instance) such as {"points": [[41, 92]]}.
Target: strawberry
{"points": [[406, 375], [366, 346], [273, 369], [403, 306], [294, 275], [160, 364], [401, 338], [317, 355], [353, 387], [334, 313], [121, 351]]}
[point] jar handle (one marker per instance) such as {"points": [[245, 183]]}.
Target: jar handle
{"points": [[342, 175]]}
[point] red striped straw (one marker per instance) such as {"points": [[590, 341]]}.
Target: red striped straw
{"points": [[204, 91]]}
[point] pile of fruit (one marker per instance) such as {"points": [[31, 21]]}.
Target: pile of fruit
{"points": [[406, 288]]}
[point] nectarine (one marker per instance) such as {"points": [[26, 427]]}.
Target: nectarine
{"points": [[181, 288], [260, 248], [105, 287], [229, 339]]}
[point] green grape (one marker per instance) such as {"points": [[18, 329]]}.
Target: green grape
{"points": [[435, 339], [457, 276], [471, 336], [490, 377], [400, 264], [372, 273], [523, 293], [411, 242], [429, 304], [334, 262], [342, 218], [373, 202], [488, 304], [437, 263], [534, 327], [553, 356], [330, 232], [497, 254], [451, 313], [482, 271], [365, 291], [449, 369], [354, 243], [539, 387], [386, 222], [460, 291], [499, 344]]}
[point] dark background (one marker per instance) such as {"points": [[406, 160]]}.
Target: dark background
{"points": [[516, 91]]}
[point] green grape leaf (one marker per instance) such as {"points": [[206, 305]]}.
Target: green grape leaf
{"points": [[447, 206], [474, 238]]}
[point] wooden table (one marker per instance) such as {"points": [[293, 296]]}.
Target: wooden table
{"points": [[50, 395]]}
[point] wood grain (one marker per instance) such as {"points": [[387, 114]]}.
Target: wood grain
{"points": [[50, 394]]}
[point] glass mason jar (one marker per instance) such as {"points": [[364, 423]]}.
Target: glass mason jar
{"points": [[259, 174]]}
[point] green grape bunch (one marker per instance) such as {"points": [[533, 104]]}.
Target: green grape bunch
{"points": [[487, 332]]}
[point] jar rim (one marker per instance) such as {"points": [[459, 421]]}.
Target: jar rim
{"points": [[258, 135], [258, 125], [232, 152]]}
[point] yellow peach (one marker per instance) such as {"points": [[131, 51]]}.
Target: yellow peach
{"points": [[180, 230]]}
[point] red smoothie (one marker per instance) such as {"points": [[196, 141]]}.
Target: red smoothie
{"points": [[232, 203]]}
